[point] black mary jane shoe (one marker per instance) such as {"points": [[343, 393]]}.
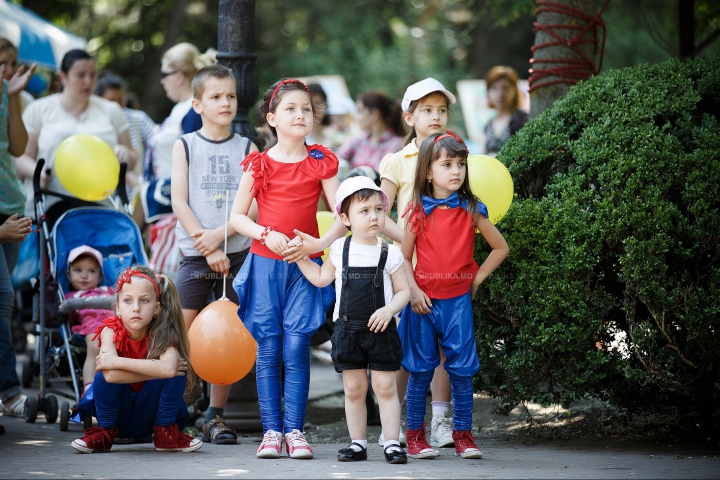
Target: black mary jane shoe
{"points": [[348, 454], [395, 455]]}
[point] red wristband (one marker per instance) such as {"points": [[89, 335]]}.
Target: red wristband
{"points": [[264, 234]]}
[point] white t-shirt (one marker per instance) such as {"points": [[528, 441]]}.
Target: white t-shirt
{"points": [[46, 118], [165, 137], [364, 256]]}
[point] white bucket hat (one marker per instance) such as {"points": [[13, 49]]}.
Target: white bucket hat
{"points": [[352, 185]]}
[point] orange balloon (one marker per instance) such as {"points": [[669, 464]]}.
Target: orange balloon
{"points": [[222, 351]]}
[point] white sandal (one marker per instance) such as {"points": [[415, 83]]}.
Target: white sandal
{"points": [[14, 409]]}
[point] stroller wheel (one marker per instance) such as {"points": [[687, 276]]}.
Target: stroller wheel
{"points": [[31, 409], [26, 371], [51, 412], [87, 421], [64, 416]]}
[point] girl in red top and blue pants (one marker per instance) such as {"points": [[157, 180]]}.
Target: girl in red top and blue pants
{"points": [[279, 306], [442, 219]]}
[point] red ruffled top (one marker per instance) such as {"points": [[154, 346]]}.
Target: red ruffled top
{"points": [[287, 193], [125, 346], [445, 250]]}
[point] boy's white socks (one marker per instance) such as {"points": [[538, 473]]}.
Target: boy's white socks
{"points": [[440, 408]]}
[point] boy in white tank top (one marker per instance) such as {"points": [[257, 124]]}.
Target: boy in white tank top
{"points": [[206, 173]]}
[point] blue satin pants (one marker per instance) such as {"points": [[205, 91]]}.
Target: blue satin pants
{"points": [[160, 402]]}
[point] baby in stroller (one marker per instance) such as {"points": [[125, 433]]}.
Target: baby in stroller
{"points": [[85, 275]]}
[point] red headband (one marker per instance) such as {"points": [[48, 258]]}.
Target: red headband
{"points": [[448, 133], [285, 82], [127, 275]]}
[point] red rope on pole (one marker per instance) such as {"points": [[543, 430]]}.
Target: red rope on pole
{"points": [[574, 69]]}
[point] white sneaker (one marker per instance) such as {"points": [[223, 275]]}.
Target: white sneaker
{"points": [[271, 446], [441, 432], [402, 439]]}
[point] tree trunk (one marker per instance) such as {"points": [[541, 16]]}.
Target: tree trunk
{"points": [[686, 27], [544, 96], [503, 45]]}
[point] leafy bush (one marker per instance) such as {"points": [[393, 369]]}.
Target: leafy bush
{"points": [[612, 287]]}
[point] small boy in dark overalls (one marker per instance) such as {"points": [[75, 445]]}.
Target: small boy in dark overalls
{"points": [[371, 288]]}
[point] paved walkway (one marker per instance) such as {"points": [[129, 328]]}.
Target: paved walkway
{"points": [[42, 451]]}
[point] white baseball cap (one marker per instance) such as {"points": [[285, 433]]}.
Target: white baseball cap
{"points": [[418, 90]]}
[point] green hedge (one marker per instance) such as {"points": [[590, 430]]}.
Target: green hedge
{"points": [[615, 231]]}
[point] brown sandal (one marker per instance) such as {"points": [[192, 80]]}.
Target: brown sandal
{"points": [[217, 432]]}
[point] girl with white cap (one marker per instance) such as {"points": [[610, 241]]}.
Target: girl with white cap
{"points": [[425, 109]]}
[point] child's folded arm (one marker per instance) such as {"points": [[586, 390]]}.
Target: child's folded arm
{"points": [[118, 369]]}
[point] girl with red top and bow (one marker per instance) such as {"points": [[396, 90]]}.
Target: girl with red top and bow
{"points": [[442, 219], [142, 370], [278, 305]]}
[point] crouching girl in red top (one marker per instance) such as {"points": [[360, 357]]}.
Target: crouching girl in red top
{"points": [[142, 369], [278, 305], [442, 219]]}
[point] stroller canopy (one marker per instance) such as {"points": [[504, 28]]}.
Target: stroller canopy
{"points": [[111, 232]]}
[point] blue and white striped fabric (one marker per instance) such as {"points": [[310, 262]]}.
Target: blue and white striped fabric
{"points": [[38, 40]]}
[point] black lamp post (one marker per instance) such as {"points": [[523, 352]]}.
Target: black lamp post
{"points": [[236, 50]]}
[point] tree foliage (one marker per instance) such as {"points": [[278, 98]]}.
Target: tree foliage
{"points": [[373, 44], [612, 288]]}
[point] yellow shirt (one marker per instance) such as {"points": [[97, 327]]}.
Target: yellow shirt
{"points": [[399, 168]]}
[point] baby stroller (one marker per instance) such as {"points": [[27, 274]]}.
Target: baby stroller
{"points": [[58, 353]]}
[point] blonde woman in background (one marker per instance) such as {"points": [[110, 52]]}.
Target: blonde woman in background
{"points": [[179, 65]]}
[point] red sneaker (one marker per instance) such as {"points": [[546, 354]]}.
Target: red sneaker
{"points": [[297, 445], [417, 445], [271, 446], [465, 446], [96, 439], [170, 439]]}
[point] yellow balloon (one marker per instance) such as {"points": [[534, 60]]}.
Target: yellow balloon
{"points": [[87, 167], [491, 182], [325, 220]]}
